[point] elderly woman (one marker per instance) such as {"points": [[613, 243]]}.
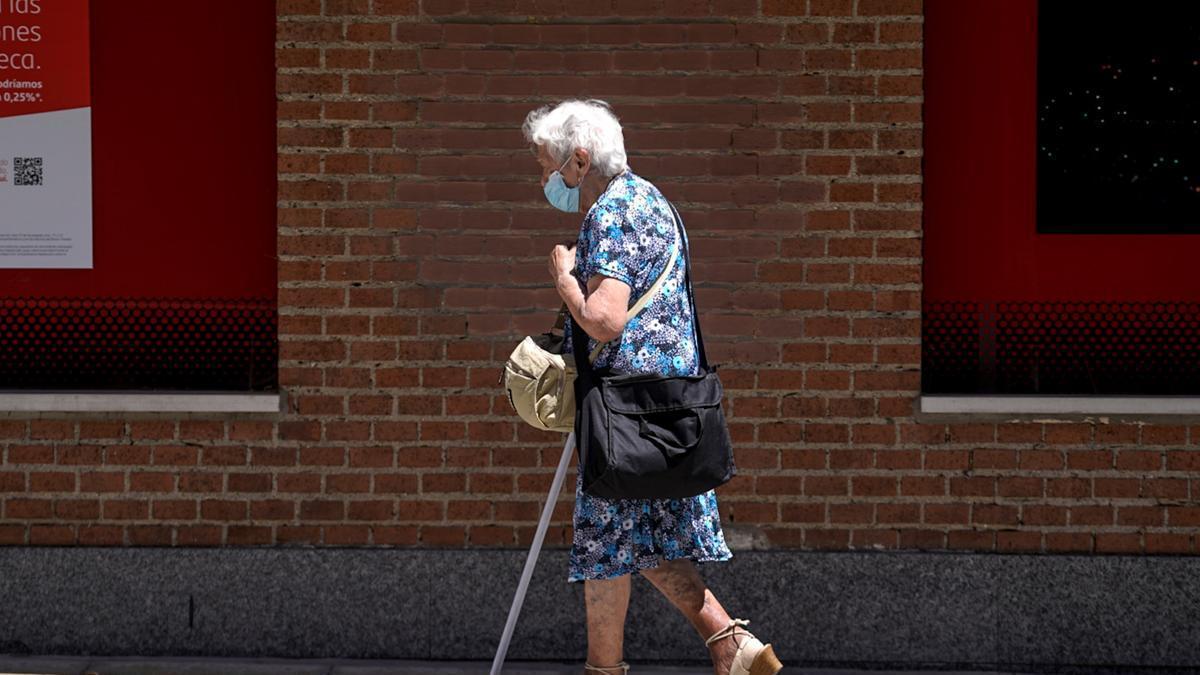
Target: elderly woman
{"points": [[626, 239]]}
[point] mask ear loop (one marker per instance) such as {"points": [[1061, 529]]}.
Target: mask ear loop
{"points": [[564, 164]]}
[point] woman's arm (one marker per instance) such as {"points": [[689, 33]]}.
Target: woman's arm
{"points": [[601, 309]]}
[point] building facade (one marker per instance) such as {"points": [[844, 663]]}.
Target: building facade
{"points": [[395, 482]]}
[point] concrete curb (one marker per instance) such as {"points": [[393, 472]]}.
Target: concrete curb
{"points": [[48, 665]]}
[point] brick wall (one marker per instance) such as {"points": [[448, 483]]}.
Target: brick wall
{"points": [[412, 244]]}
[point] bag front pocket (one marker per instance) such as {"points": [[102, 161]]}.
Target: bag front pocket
{"points": [[674, 431]]}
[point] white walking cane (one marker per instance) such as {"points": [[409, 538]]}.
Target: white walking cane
{"points": [[534, 550]]}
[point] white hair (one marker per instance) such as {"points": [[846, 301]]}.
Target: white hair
{"points": [[570, 125]]}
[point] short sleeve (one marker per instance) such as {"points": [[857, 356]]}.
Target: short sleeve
{"points": [[612, 248]]}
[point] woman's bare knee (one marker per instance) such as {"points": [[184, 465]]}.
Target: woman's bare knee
{"points": [[607, 592], [680, 581]]}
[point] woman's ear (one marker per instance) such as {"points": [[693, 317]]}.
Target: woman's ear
{"points": [[584, 159]]}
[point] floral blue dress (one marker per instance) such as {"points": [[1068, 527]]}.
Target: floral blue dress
{"points": [[629, 234]]}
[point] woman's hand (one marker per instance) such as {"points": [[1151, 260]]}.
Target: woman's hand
{"points": [[562, 261]]}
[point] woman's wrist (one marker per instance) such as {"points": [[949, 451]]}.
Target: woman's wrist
{"points": [[572, 296], [564, 282]]}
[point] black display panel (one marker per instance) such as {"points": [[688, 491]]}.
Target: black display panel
{"points": [[1118, 117]]}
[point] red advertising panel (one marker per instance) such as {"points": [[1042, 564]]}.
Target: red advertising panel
{"points": [[181, 292]]}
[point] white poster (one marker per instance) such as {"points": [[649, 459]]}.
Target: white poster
{"points": [[45, 135]]}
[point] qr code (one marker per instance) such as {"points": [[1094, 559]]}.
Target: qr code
{"points": [[27, 170]]}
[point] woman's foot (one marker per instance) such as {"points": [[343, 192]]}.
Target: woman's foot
{"points": [[735, 651]]}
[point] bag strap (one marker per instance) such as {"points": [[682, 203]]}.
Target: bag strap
{"points": [[687, 275], [642, 301]]}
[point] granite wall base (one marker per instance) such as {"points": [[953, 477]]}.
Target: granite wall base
{"points": [[1035, 613]]}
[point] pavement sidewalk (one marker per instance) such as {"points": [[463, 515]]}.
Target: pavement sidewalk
{"points": [[115, 665]]}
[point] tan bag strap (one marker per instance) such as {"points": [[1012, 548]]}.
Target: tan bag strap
{"points": [[637, 306]]}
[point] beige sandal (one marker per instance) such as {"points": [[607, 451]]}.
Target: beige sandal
{"points": [[752, 657], [622, 666]]}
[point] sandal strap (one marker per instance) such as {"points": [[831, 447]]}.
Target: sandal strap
{"points": [[734, 624], [622, 666]]}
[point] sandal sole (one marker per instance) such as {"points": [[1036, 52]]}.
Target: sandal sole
{"points": [[765, 662]]}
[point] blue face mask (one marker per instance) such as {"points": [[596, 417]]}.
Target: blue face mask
{"points": [[559, 195]]}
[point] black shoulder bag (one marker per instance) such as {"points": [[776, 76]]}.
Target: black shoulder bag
{"points": [[651, 436]]}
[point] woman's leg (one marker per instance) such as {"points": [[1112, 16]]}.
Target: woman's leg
{"points": [[607, 601], [680, 582]]}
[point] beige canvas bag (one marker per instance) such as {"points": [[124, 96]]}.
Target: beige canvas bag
{"points": [[541, 384]]}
